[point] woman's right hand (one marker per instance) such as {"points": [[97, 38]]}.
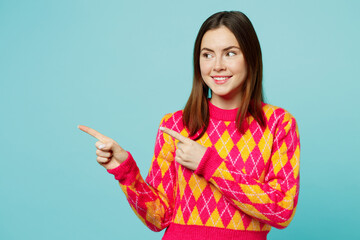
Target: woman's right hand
{"points": [[110, 154]]}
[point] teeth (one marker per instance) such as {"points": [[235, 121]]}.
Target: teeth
{"points": [[220, 78]]}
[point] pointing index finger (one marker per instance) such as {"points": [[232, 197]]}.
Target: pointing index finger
{"points": [[93, 133], [174, 134]]}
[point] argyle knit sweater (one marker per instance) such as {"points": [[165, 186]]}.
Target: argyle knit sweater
{"points": [[244, 184]]}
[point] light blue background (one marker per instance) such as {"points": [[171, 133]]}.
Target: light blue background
{"points": [[119, 66]]}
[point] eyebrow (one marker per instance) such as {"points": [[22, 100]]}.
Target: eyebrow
{"points": [[225, 49]]}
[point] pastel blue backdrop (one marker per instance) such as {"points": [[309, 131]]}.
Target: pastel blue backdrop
{"points": [[119, 66]]}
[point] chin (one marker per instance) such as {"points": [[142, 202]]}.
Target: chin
{"points": [[225, 94], [220, 93]]}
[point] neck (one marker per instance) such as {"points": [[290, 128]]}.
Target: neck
{"points": [[225, 103]]}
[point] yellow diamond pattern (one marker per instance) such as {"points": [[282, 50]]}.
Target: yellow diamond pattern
{"points": [[246, 144], [266, 227], [184, 133], [160, 187], [279, 163], [198, 185], [259, 196], [182, 182], [274, 184], [179, 217], [254, 226], [265, 144], [295, 162], [215, 220], [287, 202], [251, 210], [164, 167], [223, 172], [236, 222], [286, 223], [205, 140], [224, 144], [167, 148], [194, 217], [216, 193], [268, 110]]}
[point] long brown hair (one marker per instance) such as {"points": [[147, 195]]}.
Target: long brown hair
{"points": [[196, 112]]}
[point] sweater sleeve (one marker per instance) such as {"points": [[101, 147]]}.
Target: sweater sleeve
{"points": [[272, 201], [153, 200]]}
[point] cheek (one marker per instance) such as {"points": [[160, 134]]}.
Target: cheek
{"points": [[239, 67], [205, 67]]}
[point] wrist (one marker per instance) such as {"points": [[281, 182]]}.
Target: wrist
{"points": [[126, 172], [208, 163], [112, 165]]}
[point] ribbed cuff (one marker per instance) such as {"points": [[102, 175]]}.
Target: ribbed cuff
{"points": [[126, 171], [177, 231], [209, 163]]}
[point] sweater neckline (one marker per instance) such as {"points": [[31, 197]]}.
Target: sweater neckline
{"points": [[222, 114]]}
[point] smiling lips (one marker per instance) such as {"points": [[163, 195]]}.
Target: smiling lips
{"points": [[221, 79]]}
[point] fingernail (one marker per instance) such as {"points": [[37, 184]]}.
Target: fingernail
{"points": [[101, 146], [162, 128]]}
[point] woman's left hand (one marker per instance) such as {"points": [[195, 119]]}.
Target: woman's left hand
{"points": [[188, 153]]}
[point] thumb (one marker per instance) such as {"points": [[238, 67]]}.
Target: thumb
{"points": [[104, 146], [118, 153]]}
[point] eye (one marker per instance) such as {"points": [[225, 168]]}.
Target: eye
{"points": [[207, 55], [231, 54]]}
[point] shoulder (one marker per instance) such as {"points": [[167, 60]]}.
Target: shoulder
{"points": [[276, 112], [172, 120], [277, 116]]}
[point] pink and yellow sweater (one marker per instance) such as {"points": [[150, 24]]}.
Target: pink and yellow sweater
{"points": [[244, 185]]}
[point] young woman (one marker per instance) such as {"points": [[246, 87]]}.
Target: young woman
{"points": [[225, 167]]}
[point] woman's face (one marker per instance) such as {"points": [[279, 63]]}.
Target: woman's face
{"points": [[222, 64]]}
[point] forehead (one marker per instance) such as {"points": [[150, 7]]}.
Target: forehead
{"points": [[220, 37]]}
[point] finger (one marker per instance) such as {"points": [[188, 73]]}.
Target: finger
{"points": [[103, 154], [178, 159], [180, 145], [103, 146], [174, 134], [178, 152], [93, 133], [102, 160]]}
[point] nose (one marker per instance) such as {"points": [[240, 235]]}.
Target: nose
{"points": [[219, 65]]}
